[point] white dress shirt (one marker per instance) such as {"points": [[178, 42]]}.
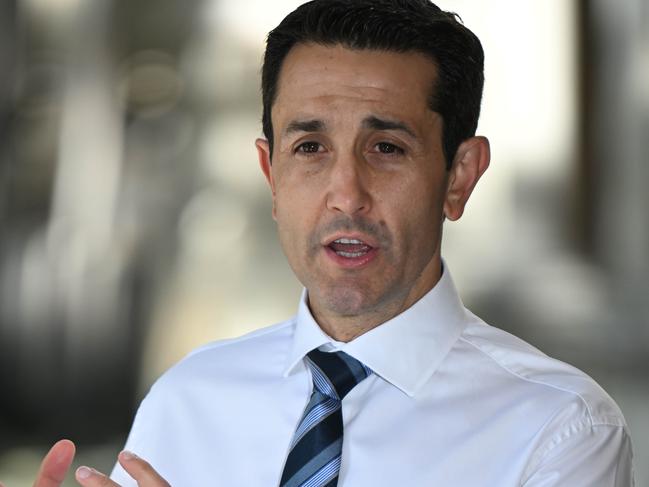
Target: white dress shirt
{"points": [[452, 402]]}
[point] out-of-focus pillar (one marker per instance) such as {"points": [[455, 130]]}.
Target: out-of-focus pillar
{"points": [[617, 136]]}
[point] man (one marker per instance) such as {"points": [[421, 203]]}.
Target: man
{"points": [[370, 112]]}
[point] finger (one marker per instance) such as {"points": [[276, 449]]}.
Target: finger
{"points": [[140, 470], [55, 465], [89, 477]]}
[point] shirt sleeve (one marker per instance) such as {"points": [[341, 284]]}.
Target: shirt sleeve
{"points": [[585, 456]]}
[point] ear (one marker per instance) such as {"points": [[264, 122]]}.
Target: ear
{"points": [[263, 152], [470, 162]]}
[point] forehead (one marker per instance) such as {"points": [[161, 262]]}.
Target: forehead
{"points": [[317, 78]]}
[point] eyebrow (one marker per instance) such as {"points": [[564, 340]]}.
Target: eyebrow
{"points": [[376, 123], [372, 122], [314, 125]]}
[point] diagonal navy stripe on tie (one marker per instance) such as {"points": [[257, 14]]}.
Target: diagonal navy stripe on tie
{"points": [[314, 465], [315, 456]]}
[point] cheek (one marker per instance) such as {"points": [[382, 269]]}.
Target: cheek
{"points": [[294, 214], [418, 218], [416, 198], [298, 192]]}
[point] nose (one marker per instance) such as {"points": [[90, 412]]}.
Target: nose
{"points": [[348, 187]]}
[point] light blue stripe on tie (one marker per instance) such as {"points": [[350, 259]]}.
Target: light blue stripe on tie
{"points": [[314, 465], [325, 474], [318, 413], [322, 381]]}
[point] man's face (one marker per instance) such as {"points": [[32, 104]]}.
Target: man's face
{"points": [[358, 178]]}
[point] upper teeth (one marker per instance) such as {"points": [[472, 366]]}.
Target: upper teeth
{"points": [[348, 241]]}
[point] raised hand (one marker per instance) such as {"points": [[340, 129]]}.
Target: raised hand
{"points": [[56, 464]]}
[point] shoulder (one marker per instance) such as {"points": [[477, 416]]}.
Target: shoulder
{"points": [[564, 391], [232, 359], [261, 339], [571, 424]]}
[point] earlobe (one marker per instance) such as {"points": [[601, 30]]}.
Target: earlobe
{"points": [[263, 153], [470, 163]]}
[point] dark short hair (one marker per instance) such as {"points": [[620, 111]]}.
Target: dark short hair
{"points": [[389, 25]]}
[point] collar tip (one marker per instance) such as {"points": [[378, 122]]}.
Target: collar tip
{"points": [[410, 390], [288, 370]]}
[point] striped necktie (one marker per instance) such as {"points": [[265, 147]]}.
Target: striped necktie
{"points": [[314, 458]]}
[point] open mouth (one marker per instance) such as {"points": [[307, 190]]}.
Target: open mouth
{"points": [[350, 248]]}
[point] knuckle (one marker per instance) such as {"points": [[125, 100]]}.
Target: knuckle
{"points": [[98, 479], [141, 470], [104, 481]]}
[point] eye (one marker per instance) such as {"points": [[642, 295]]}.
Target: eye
{"points": [[389, 148], [308, 148]]}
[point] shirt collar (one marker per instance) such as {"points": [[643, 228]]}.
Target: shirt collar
{"points": [[405, 350]]}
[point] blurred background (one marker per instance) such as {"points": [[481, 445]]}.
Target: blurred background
{"points": [[135, 224]]}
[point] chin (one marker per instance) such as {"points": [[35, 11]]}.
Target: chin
{"points": [[349, 302]]}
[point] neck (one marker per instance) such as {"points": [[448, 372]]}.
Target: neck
{"points": [[344, 328]]}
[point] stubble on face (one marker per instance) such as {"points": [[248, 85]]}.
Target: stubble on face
{"points": [[342, 294]]}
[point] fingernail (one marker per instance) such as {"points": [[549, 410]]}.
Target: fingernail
{"points": [[128, 455], [84, 472]]}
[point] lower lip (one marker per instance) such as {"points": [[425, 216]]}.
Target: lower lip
{"points": [[352, 262]]}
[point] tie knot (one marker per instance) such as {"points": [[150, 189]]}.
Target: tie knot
{"points": [[335, 373]]}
